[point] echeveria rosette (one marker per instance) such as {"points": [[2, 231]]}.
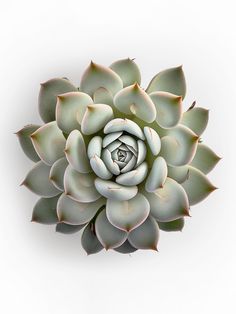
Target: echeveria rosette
{"points": [[115, 160]]}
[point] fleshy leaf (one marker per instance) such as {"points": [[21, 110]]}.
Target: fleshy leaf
{"points": [[89, 240], [145, 236], [109, 236], [97, 76], [168, 107], [76, 213], [128, 215], [125, 248], [153, 140], [196, 119], [175, 225], [100, 168], [128, 71], [57, 173], [126, 125], [114, 191], [110, 138], [48, 96], [179, 146], [95, 118], [133, 177], [44, 211], [94, 147], [103, 96], [49, 142], [168, 203], [134, 100], [76, 152], [80, 186], [157, 175], [109, 162], [37, 181], [205, 159], [70, 110], [142, 150], [171, 80], [61, 227], [197, 186], [179, 174], [26, 143]]}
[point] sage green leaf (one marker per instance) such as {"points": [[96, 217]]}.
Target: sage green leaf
{"points": [[125, 248], [175, 225], [103, 96], [126, 125], [197, 186], [145, 236], [128, 70], [94, 147], [114, 191], [57, 172], [110, 138], [129, 141], [49, 142], [26, 143], [109, 236], [37, 181], [76, 152], [168, 107], [95, 118], [179, 174], [157, 175], [61, 227], [48, 96], [100, 168], [80, 186], [179, 146], [134, 100], [109, 162], [70, 110], [75, 213], [196, 119], [142, 150], [128, 215], [133, 177], [44, 211], [97, 76], [171, 80], [153, 140], [130, 165], [168, 203], [89, 240], [205, 159]]}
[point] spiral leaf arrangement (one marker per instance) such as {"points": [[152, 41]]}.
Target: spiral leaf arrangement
{"points": [[115, 160]]}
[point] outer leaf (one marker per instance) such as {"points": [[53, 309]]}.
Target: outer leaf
{"points": [[49, 142], [196, 119], [171, 80], [168, 107], [57, 173], [145, 236], [157, 175], [68, 229], [76, 152], [97, 76], [128, 215], [26, 143], [168, 203], [89, 240], [134, 100], [128, 70], [205, 159], [37, 180], [197, 186], [103, 96], [76, 213], [44, 211], [48, 96], [95, 118], [109, 236], [175, 225], [80, 186], [125, 248], [70, 110]]}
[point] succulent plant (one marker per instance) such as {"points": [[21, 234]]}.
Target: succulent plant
{"points": [[115, 160]]}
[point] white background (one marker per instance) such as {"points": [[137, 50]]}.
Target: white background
{"points": [[45, 272]]}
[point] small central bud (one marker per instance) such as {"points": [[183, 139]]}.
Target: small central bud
{"points": [[121, 155]]}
